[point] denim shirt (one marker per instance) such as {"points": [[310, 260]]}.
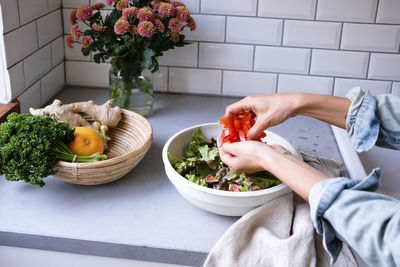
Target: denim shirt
{"points": [[348, 210]]}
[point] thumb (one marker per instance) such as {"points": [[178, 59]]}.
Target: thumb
{"points": [[259, 127]]}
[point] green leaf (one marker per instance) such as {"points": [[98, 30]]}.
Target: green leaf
{"points": [[85, 51], [148, 53], [98, 57]]}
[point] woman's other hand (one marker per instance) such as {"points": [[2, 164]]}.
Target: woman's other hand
{"points": [[270, 110]]}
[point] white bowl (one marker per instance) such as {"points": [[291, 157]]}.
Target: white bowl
{"points": [[219, 201]]}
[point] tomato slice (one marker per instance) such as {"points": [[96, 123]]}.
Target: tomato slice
{"points": [[237, 127]]}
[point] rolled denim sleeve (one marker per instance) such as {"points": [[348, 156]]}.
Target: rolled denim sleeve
{"points": [[348, 210], [373, 120]]}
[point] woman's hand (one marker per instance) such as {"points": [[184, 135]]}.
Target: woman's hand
{"points": [[253, 156], [270, 110], [243, 156]]}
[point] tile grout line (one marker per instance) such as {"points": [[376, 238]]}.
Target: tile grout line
{"points": [[225, 28], [341, 37], [254, 58], [277, 83], [168, 68], [368, 65], [310, 61], [258, 71], [315, 10], [222, 82], [376, 11]]}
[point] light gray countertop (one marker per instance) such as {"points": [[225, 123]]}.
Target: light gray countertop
{"points": [[140, 216]]}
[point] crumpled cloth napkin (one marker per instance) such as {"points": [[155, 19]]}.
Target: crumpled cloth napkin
{"points": [[280, 233]]}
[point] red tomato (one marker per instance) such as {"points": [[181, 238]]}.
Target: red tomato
{"points": [[236, 127]]}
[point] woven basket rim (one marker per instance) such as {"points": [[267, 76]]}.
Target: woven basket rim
{"points": [[112, 161]]}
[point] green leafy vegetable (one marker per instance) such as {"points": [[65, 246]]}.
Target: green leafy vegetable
{"points": [[30, 147], [201, 158]]}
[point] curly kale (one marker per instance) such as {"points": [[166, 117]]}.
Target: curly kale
{"points": [[30, 147], [26, 146]]}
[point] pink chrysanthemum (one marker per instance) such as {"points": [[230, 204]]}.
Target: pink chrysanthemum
{"points": [[159, 25], [84, 12], [191, 23], [99, 28], [134, 29], [72, 17], [174, 37], [156, 5], [97, 6], [175, 25], [122, 4], [111, 2], [146, 28], [121, 26], [130, 12], [69, 41], [86, 41], [177, 3], [182, 13], [166, 9], [76, 32], [145, 14]]}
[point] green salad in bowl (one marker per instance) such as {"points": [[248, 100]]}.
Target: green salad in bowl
{"points": [[202, 165]]}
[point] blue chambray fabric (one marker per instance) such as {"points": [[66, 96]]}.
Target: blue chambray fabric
{"points": [[373, 120], [348, 210]]}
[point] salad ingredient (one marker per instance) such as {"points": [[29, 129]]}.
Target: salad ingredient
{"points": [[86, 142], [234, 188], [202, 165], [74, 114], [30, 147], [237, 126]]}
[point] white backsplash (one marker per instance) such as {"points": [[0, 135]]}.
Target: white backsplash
{"points": [[239, 48], [34, 48], [267, 46]]}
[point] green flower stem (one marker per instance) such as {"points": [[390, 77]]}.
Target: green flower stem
{"points": [[127, 90]]}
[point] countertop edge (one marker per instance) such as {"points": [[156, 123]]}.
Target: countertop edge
{"points": [[103, 249]]}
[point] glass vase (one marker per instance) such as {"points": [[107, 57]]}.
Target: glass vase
{"points": [[135, 95]]}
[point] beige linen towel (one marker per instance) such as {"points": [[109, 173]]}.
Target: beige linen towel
{"points": [[278, 234]]}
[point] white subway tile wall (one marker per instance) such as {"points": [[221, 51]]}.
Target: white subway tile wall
{"points": [[311, 84], [52, 83], [364, 37], [34, 48], [339, 63], [248, 83], [312, 34], [11, 17], [239, 47], [282, 59], [396, 89], [375, 87], [226, 56], [241, 30], [388, 11], [384, 67], [292, 9], [347, 10]]}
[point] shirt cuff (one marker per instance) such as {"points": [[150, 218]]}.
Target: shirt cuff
{"points": [[322, 195], [362, 124]]}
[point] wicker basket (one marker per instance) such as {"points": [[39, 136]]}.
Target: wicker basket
{"points": [[130, 141]]}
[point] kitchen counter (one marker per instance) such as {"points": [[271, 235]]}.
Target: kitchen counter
{"points": [[140, 216]]}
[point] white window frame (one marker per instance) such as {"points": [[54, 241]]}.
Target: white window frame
{"points": [[5, 84]]}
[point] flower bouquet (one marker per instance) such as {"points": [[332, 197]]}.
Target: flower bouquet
{"points": [[133, 35]]}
